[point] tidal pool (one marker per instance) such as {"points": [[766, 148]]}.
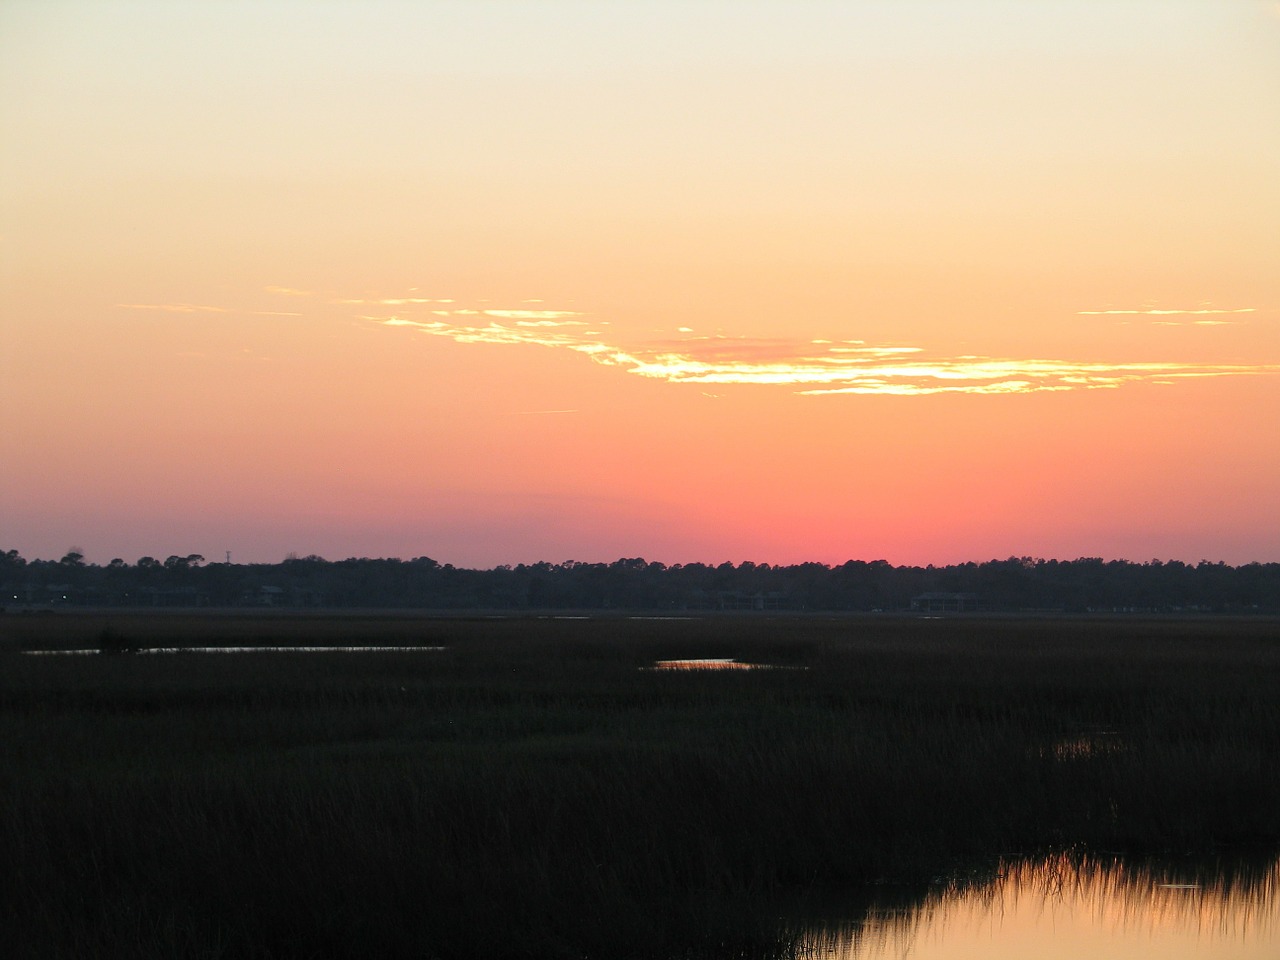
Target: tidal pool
{"points": [[1064, 908], [717, 663], [705, 663]]}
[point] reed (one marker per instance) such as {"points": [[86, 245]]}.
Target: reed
{"points": [[533, 790]]}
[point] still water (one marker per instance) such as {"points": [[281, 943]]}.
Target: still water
{"points": [[1063, 907], [704, 663]]}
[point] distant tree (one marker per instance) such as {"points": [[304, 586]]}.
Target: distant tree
{"points": [[189, 562], [1018, 582]]}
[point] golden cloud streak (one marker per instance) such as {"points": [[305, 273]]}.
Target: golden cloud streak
{"points": [[532, 314], [845, 367], [1164, 312], [1153, 311]]}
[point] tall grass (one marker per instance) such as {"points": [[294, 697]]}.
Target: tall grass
{"points": [[532, 791]]}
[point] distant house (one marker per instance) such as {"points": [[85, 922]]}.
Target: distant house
{"points": [[271, 597], [757, 600], [946, 603]]}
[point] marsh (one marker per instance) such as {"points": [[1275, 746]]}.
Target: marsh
{"points": [[534, 790]]}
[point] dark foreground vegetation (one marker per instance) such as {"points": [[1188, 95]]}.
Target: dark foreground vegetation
{"points": [[1016, 584], [533, 790]]}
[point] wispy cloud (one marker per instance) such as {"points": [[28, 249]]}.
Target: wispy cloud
{"points": [[549, 323], [992, 375], [1206, 310], [827, 367], [392, 301], [203, 308], [174, 307], [1194, 323], [290, 292], [532, 314]]}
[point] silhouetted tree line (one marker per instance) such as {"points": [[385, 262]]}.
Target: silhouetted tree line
{"points": [[1019, 583]]}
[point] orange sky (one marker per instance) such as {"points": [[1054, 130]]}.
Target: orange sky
{"points": [[498, 282]]}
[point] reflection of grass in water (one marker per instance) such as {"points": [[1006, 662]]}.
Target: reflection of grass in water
{"points": [[1228, 895], [1215, 897], [531, 791], [1084, 746], [723, 663]]}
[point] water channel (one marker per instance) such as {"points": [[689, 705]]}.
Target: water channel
{"points": [[1065, 908]]}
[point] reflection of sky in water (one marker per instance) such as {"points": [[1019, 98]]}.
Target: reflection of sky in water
{"points": [[717, 663], [1061, 909], [707, 663]]}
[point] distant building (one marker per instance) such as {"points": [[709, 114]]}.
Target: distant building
{"points": [[946, 603], [753, 600], [271, 596]]}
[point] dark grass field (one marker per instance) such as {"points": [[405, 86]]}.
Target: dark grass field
{"points": [[534, 790]]}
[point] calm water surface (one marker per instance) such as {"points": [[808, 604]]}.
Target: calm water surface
{"points": [[1071, 908]]}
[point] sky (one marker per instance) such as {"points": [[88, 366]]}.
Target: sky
{"points": [[501, 282]]}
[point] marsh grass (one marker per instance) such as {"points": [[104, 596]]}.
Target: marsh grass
{"points": [[531, 791]]}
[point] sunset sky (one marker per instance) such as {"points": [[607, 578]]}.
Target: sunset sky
{"points": [[499, 282]]}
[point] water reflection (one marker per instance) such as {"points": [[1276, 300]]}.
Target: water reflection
{"points": [[1069, 907], [706, 663], [1086, 746]]}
